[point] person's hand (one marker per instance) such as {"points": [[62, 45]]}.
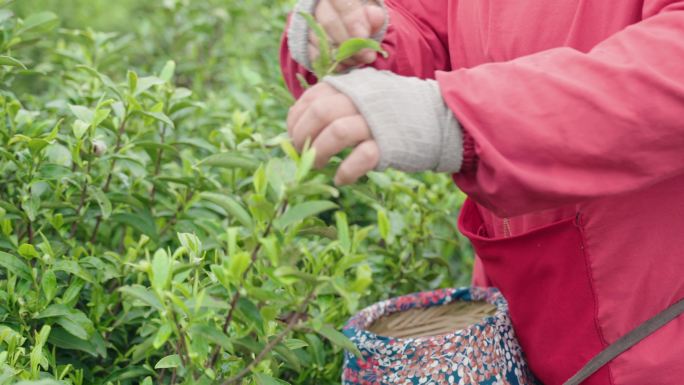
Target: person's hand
{"points": [[331, 121], [345, 19]]}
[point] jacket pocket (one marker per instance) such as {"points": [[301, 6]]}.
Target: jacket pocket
{"points": [[545, 276]]}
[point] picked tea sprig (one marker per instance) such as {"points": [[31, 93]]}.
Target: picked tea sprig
{"points": [[330, 57]]}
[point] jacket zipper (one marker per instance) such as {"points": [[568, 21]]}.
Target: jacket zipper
{"points": [[506, 227]]}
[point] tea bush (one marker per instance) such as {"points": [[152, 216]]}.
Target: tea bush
{"points": [[156, 226]]}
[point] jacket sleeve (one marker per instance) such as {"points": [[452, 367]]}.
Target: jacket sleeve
{"points": [[562, 126], [416, 41]]}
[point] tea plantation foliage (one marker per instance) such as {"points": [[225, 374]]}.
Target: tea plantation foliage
{"points": [[155, 225]]}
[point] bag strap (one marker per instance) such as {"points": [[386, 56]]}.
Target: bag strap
{"points": [[626, 342]]}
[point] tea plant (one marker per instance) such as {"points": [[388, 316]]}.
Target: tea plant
{"points": [[156, 226]]}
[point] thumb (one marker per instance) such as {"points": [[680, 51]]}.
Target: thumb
{"points": [[376, 18]]}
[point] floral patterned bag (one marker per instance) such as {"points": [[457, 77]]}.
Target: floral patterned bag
{"points": [[451, 336]]}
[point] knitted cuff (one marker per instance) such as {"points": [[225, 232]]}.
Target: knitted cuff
{"points": [[414, 128], [298, 31]]}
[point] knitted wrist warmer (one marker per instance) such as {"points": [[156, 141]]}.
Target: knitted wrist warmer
{"points": [[414, 128]]}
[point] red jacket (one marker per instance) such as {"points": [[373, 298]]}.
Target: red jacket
{"points": [[573, 112]]}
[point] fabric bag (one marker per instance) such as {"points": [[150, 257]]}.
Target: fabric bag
{"points": [[450, 336]]}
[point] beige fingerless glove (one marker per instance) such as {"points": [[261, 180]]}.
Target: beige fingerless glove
{"points": [[414, 128]]}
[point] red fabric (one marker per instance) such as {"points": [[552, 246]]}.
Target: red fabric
{"points": [[576, 110], [546, 267]]}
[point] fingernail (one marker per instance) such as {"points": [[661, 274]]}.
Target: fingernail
{"points": [[368, 56]]}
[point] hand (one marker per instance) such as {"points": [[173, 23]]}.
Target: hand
{"points": [[345, 19], [331, 121]]}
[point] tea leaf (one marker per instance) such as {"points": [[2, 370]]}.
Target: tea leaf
{"points": [[355, 45], [171, 361], [265, 379], [10, 61], [230, 160], [144, 295], [15, 266], [303, 211], [339, 339], [39, 23], [232, 207]]}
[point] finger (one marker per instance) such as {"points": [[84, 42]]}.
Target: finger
{"points": [[331, 22], [338, 135], [363, 159], [357, 23], [349, 63], [366, 56], [376, 17], [344, 7], [320, 114], [296, 111]]}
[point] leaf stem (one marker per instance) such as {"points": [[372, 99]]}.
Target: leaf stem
{"points": [[157, 165], [291, 325], [84, 194], [105, 188], [236, 296]]}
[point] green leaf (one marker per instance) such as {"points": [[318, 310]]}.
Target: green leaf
{"points": [[162, 335], [84, 114], [102, 201], [232, 207], [343, 231], [150, 145], [161, 270], [251, 313], [364, 278], [339, 339], [106, 80], [289, 150], [294, 344], [259, 180], [288, 356], [167, 72], [172, 361], [10, 61], [15, 266], [191, 243], [159, 116], [145, 83], [49, 285], [62, 339], [305, 164], [383, 225], [132, 81], [143, 294], [141, 221], [323, 62], [35, 145], [312, 188], [27, 251], [265, 379], [73, 327], [72, 320], [354, 45], [79, 128], [238, 264], [39, 23], [72, 267], [213, 335], [230, 160], [303, 211]]}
